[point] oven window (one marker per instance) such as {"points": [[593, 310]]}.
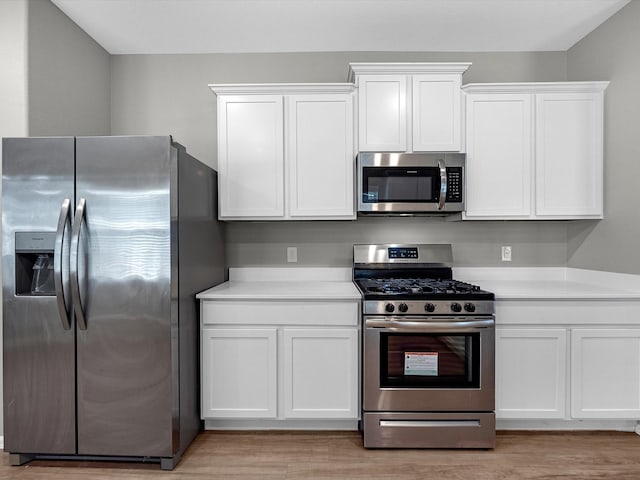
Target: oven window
{"points": [[430, 360], [400, 184]]}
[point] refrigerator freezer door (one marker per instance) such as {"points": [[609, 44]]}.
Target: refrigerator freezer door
{"points": [[39, 355], [126, 391]]}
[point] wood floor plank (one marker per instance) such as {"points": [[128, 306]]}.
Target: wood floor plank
{"points": [[340, 455]]}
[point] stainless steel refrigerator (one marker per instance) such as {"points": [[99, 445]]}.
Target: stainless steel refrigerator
{"points": [[106, 240]]}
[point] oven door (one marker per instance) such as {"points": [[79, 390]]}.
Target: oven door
{"points": [[450, 358]]}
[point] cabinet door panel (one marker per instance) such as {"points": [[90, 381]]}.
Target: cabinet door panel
{"points": [[436, 113], [569, 154], [530, 373], [251, 156], [239, 373], [320, 155], [498, 169], [605, 373], [321, 373], [382, 105]]}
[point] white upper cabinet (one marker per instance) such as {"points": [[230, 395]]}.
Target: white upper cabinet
{"points": [[498, 149], [569, 154], [409, 107], [382, 113], [285, 151], [320, 156], [534, 150], [436, 113], [250, 155]]}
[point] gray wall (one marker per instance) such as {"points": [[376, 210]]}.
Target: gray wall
{"points": [[55, 78], [611, 53], [13, 88], [331, 243], [69, 76], [161, 94], [158, 94]]}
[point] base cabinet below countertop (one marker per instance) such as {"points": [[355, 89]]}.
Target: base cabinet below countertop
{"points": [[579, 372], [531, 375], [282, 367]]}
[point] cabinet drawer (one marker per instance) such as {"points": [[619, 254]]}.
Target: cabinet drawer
{"points": [[279, 313]]}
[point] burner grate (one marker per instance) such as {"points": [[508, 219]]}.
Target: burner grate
{"points": [[416, 286]]}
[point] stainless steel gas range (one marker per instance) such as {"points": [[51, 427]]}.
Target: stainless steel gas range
{"points": [[428, 350]]}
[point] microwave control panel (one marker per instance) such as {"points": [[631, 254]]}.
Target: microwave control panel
{"points": [[454, 184]]}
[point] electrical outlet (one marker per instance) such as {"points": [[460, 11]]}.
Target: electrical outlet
{"points": [[292, 254], [506, 253]]}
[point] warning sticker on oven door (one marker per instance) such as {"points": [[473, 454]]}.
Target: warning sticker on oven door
{"points": [[421, 363]]}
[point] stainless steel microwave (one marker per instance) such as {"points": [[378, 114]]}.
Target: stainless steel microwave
{"points": [[410, 183]]}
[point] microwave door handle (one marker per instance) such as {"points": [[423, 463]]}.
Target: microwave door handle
{"points": [[73, 264], [443, 184], [63, 220]]}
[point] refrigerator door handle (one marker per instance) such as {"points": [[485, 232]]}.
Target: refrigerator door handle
{"points": [[73, 265], [63, 220]]}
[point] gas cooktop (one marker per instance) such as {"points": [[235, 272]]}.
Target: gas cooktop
{"points": [[419, 289], [414, 280], [412, 272]]}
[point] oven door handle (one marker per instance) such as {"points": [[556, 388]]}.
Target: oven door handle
{"points": [[395, 325]]}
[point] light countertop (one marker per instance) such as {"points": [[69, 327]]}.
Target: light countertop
{"points": [[553, 290], [552, 283], [282, 290], [285, 284]]}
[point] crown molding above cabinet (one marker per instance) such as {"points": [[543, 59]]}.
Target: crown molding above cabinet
{"points": [[280, 88]]}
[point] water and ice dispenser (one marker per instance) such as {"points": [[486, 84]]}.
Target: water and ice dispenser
{"points": [[34, 263]]}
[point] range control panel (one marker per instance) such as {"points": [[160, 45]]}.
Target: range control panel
{"points": [[402, 252]]}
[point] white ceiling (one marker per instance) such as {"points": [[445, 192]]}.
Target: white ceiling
{"points": [[234, 26]]}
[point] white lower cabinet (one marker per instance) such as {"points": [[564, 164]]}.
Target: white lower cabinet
{"points": [[280, 371], [605, 373], [320, 376], [239, 368], [531, 372], [566, 373]]}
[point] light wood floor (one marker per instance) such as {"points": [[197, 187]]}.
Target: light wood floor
{"points": [[339, 455]]}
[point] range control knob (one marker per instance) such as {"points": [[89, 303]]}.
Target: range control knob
{"points": [[403, 307], [469, 307], [430, 307], [456, 307], [389, 307]]}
